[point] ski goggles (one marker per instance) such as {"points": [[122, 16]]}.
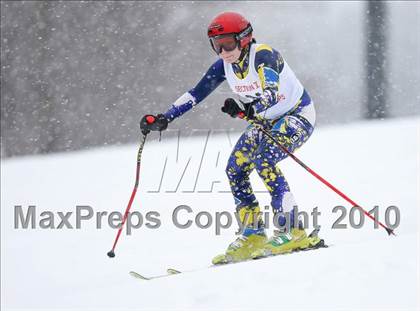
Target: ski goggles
{"points": [[230, 41], [227, 42]]}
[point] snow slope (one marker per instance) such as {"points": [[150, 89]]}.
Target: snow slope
{"points": [[375, 163]]}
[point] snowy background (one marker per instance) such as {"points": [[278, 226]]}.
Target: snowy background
{"points": [[79, 74], [76, 77]]}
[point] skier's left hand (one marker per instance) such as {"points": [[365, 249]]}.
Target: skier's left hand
{"points": [[234, 109], [153, 123]]}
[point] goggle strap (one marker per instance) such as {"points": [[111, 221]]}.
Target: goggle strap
{"points": [[245, 32]]}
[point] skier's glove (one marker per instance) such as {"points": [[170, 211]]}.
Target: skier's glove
{"points": [[234, 109], [153, 123]]}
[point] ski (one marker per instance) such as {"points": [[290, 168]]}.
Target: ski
{"points": [[139, 276], [172, 271]]}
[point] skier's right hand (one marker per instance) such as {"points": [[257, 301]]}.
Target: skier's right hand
{"points": [[153, 123], [232, 108]]}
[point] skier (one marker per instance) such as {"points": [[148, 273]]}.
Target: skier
{"points": [[271, 93]]}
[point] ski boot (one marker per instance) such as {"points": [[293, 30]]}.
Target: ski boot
{"points": [[252, 238], [287, 241]]}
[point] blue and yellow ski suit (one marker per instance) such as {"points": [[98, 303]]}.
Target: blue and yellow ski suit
{"points": [[262, 76]]}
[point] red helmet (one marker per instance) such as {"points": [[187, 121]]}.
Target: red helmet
{"points": [[230, 23]]}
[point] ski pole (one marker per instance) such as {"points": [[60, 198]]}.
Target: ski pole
{"points": [[316, 175], [111, 253]]}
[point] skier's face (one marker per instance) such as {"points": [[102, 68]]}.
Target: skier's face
{"points": [[231, 56]]}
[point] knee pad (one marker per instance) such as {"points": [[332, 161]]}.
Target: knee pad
{"points": [[283, 206], [284, 203]]}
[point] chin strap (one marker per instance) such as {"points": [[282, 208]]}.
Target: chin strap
{"points": [[240, 63], [244, 53]]}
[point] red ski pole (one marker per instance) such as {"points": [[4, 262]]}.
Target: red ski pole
{"points": [[111, 253], [316, 175]]}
